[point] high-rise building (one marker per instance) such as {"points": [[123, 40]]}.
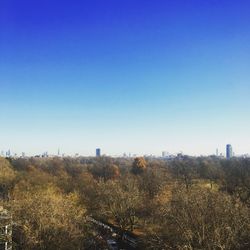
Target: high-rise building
{"points": [[217, 152], [229, 151], [8, 153], [164, 154], [98, 152]]}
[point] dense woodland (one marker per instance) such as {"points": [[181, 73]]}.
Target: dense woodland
{"points": [[184, 203]]}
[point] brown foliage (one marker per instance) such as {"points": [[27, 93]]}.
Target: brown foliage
{"points": [[7, 177], [47, 219], [202, 219], [120, 201], [139, 165]]}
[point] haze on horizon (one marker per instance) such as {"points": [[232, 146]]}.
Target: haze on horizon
{"points": [[126, 76]]}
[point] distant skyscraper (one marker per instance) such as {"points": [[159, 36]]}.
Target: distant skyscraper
{"points": [[98, 152], [217, 152], [164, 154], [45, 154], [229, 151]]}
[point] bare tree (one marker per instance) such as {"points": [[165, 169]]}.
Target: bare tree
{"points": [[120, 202], [47, 219]]}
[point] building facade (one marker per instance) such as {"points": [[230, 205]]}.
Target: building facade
{"points": [[98, 152], [229, 151]]}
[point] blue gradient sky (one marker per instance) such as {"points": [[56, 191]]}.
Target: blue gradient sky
{"points": [[133, 76]]}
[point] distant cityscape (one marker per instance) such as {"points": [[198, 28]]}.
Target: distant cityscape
{"points": [[229, 153]]}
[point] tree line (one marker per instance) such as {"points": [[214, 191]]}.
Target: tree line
{"points": [[184, 203]]}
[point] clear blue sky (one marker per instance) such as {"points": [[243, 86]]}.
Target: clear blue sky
{"points": [[137, 76]]}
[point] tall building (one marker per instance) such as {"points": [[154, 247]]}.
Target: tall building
{"points": [[98, 152], [229, 151], [217, 152], [164, 154], [8, 154]]}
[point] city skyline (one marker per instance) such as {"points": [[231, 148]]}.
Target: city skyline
{"points": [[133, 76], [228, 153]]}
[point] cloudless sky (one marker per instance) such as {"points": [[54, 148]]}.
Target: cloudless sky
{"points": [[137, 76]]}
